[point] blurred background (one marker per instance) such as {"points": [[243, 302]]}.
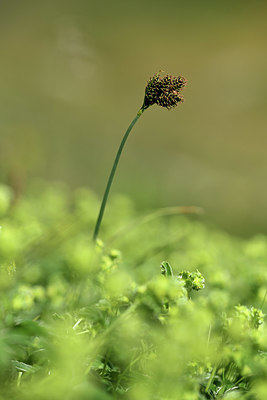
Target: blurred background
{"points": [[73, 75]]}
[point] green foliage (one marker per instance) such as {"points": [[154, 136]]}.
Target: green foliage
{"points": [[192, 280], [110, 320]]}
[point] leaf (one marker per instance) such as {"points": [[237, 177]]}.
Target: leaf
{"points": [[22, 367], [166, 269]]}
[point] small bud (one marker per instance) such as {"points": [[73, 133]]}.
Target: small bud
{"points": [[164, 91]]}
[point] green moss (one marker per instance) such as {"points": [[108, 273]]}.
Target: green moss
{"points": [[112, 320]]}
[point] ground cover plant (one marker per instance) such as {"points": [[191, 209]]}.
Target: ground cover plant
{"points": [[163, 308]]}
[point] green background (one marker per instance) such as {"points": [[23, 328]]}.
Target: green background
{"points": [[73, 75]]}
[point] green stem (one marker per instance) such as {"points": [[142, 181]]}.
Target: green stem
{"points": [[211, 378], [113, 170]]}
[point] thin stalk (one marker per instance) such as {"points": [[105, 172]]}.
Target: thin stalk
{"points": [[211, 378], [263, 301], [113, 170]]}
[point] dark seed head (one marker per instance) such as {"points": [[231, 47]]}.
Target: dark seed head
{"points": [[164, 91]]}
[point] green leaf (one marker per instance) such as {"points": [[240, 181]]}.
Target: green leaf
{"points": [[166, 269]]}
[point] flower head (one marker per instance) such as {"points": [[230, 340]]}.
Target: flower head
{"points": [[164, 91]]}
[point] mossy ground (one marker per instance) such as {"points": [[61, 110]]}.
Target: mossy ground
{"points": [[99, 321]]}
